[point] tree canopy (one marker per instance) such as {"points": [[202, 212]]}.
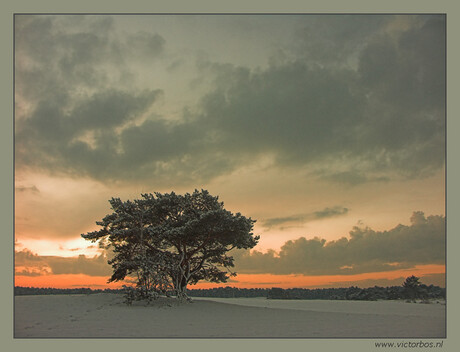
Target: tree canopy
{"points": [[169, 241], [412, 287]]}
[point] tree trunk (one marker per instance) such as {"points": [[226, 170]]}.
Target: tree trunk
{"points": [[181, 290]]}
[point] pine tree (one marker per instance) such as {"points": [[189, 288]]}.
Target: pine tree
{"points": [[412, 287], [169, 241]]}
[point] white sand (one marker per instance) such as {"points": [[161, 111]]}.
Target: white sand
{"points": [[336, 306], [104, 315]]}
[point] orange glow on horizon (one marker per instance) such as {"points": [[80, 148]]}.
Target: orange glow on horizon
{"points": [[241, 281], [66, 281], [304, 281]]}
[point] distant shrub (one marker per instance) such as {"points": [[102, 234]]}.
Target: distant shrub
{"points": [[140, 293]]}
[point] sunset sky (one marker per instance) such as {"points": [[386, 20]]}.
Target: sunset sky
{"points": [[329, 130]]}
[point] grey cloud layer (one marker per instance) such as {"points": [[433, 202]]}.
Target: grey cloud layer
{"points": [[335, 40], [31, 264], [386, 117], [366, 250], [357, 106], [303, 218]]}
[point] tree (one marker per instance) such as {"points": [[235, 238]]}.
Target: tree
{"points": [[412, 287], [171, 241]]}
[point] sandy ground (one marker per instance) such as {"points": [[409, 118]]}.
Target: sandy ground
{"points": [[104, 315]]}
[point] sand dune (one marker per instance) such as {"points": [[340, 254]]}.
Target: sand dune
{"points": [[104, 315], [337, 306]]}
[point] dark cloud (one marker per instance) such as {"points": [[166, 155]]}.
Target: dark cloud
{"points": [[364, 251], [383, 120], [405, 79], [53, 62], [303, 218], [26, 257], [145, 45], [350, 178], [32, 272], [108, 109], [330, 212], [96, 266], [408, 72], [293, 219], [335, 39], [31, 264], [298, 112], [32, 189], [63, 59], [71, 52], [351, 102], [51, 137]]}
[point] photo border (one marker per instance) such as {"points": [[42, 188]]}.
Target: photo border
{"points": [[9, 7]]}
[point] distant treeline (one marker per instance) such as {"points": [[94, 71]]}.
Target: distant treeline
{"points": [[350, 293], [22, 291], [356, 293]]}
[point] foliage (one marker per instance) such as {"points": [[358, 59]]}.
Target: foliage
{"points": [[139, 294], [169, 241], [412, 288], [278, 293]]}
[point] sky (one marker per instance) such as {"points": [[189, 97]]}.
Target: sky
{"points": [[329, 130]]}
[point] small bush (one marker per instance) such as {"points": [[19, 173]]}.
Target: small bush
{"points": [[139, 294]]}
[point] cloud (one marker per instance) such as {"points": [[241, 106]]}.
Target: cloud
{"points": [[32, 189], [382, 120], [32, 272], [55, 139], [303, 218], [293, 219], [364, 251], [351, 101], [330, 212], [144, 45], [350, 178], [30, 264], [408, 71], [335, 39]]}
